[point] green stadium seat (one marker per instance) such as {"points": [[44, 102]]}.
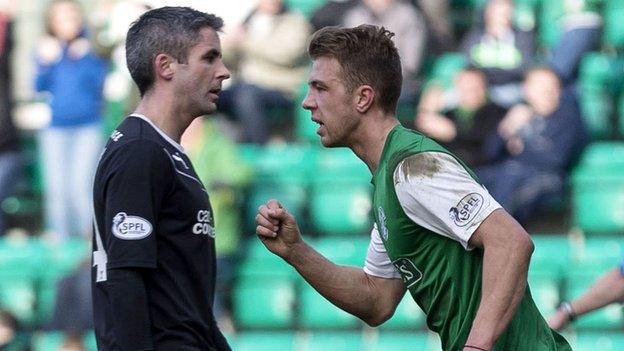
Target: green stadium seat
{"points": [[61, 259], [613, 29], [284, 162], [307, 7], [545, 290], [446, 67], [597, 253], [20, 262], [549, 15], [264, 341], [52, 341], [597, 69], [264, 303], [596, 105], [551, 254], [599, 341], [395, 341], [349, 251], [408, 316], [260, 263], [605, 155], [291, 195], [341, 208], [598, 200], [620, 114], [335, 341], [337, 164], [315, 312]]}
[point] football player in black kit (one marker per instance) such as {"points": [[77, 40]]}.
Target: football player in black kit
{"points": [[153, 248]]}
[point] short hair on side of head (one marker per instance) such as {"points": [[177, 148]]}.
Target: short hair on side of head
{"points": [[166, 30], [367, 56]]}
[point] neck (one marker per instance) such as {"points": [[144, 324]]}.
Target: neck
{"points": [[371, 138], [167, 116]]}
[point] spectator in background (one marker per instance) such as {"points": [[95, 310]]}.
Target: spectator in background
{"points": [[438, 18], [224, 174], [73, 76], [331, 13], [10, 156], [406, 22], [463, 128], [73, 342], [535, 145], [9, 329], [270, 47], [501, 51], [581, 26], [73, 310], [607, 289]]}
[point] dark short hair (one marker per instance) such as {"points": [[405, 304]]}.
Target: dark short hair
{"points": [[367, 55], [169, 30]]}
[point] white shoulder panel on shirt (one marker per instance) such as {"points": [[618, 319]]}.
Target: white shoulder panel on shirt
{"points": [[438, 193]]}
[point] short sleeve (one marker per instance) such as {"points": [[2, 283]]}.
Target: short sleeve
{"points": [[378, 262], [138, 181], [438, 193], [622, 268]]}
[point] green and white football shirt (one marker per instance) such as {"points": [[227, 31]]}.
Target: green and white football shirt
{"points": [[427, 205]]}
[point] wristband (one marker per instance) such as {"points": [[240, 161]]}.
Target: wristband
{"points": [[567, 308], [474, 347]]}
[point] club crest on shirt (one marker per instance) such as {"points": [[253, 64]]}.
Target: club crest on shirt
{"points": [[383, 230], [130, 227], [466, 210], [411, 275]]}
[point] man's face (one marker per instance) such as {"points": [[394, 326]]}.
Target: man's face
{"points": [[65, 20], [198, 81], [542, 91], [330, 103], [471, 89]]}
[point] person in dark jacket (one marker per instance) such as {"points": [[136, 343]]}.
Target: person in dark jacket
{"points": [[535, 146]]}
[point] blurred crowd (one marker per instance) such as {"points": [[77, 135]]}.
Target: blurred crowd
{"points": [[507, 104]]}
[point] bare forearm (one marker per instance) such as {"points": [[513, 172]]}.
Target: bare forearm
{"points": [[609, 288], [346, 287], [503, 285]]}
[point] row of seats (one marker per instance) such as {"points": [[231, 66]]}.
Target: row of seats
{"points": [[328, 190], [29, 271], [562, 267]]}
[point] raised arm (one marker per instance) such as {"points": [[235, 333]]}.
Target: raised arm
{"points": [[372, 299], [609, 288], [507, 251]]}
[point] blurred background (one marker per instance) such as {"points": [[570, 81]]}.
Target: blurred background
{"points": [[529, 93]]}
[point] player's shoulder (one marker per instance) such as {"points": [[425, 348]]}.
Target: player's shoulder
{"points": [[134, 142], [131, 129]]}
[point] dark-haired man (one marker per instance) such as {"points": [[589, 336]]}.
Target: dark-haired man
{"points": [[438, 233], [153, 250]]}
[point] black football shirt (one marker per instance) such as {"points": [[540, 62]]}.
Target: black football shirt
{"points": [[153, 213]]}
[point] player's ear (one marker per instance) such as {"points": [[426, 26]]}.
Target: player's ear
{"points": [[163, 66], [364, 97]]}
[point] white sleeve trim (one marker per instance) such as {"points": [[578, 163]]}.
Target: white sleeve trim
{"points": [[437, 193], [377, 261]]}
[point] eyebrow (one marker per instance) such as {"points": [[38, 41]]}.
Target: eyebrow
{"points": [[213, 52], [316, 82]]}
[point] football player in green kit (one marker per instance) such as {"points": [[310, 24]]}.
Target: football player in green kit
{"points": [[438, 233]]}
